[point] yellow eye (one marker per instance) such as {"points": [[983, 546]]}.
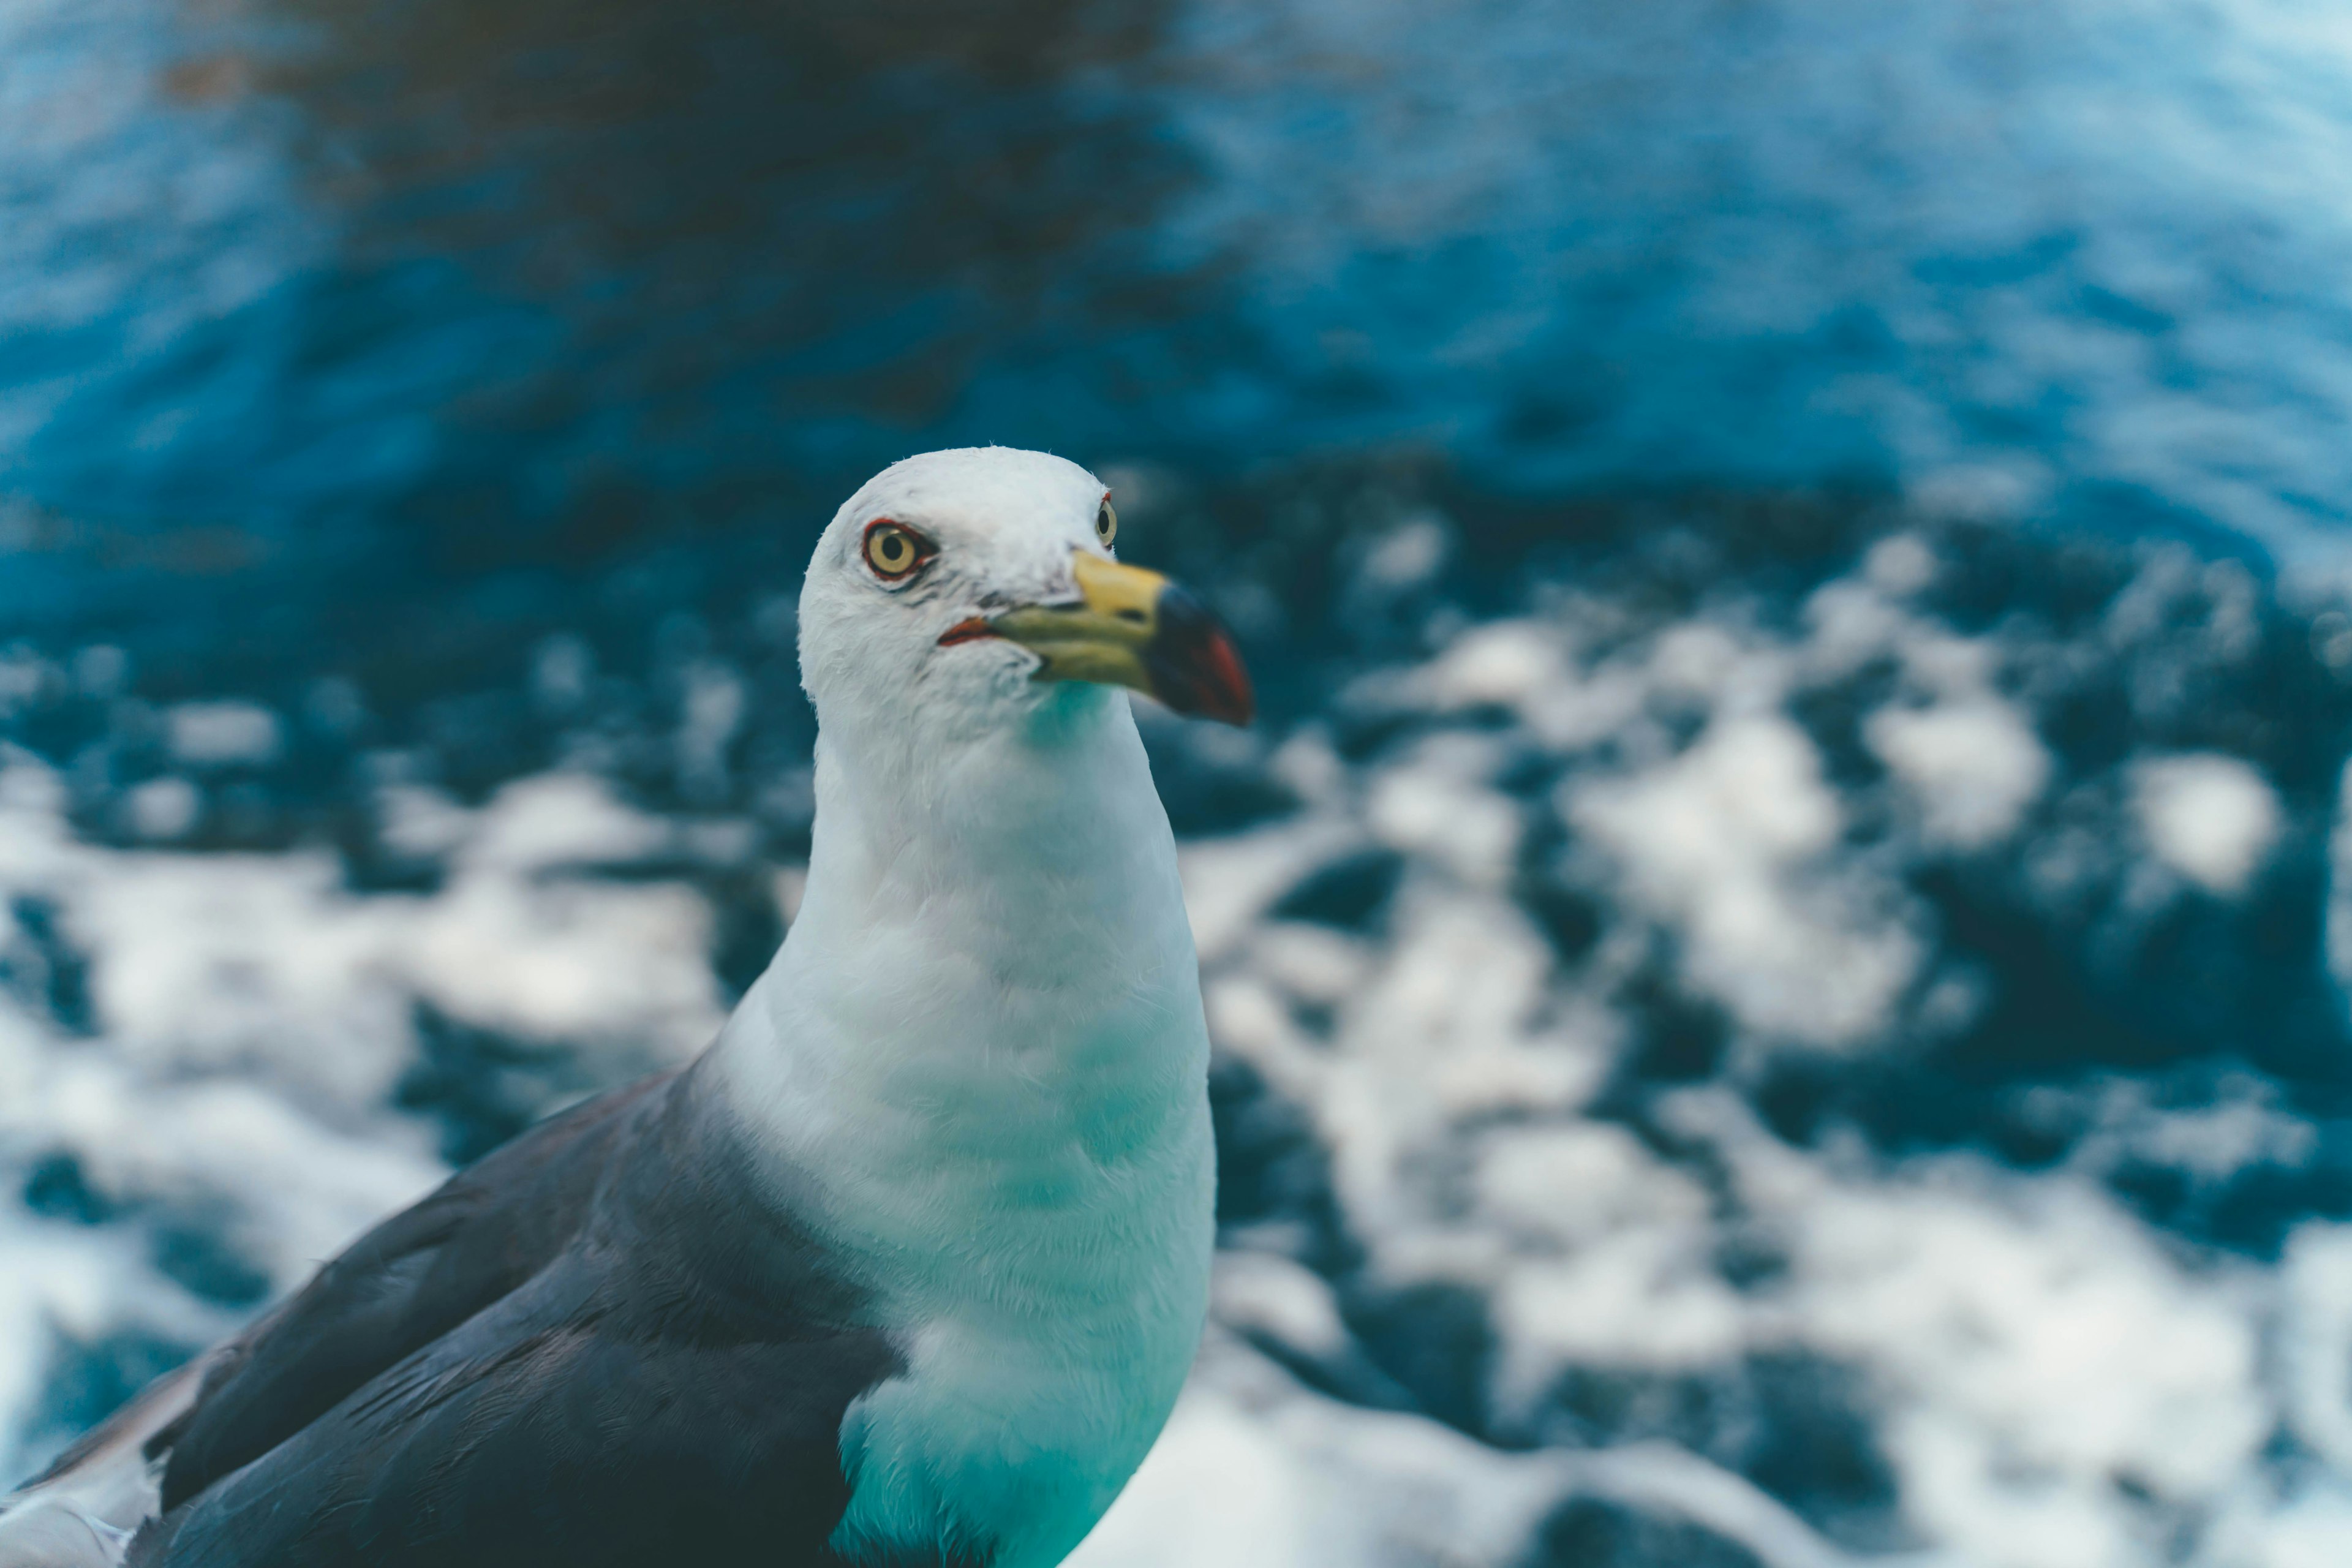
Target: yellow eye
{"points": [[1106, 522], [893, 550]]}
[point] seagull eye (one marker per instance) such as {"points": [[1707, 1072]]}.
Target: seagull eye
{"points": [[893, 550], [1106, 522]]}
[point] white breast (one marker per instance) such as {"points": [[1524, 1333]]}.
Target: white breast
{"points": [[1043, 1235], [1029, 1400], [990, 1057]]}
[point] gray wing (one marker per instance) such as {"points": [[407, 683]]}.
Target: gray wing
{"points": [[589, 1349], [406, 1283], [561, 1426]]}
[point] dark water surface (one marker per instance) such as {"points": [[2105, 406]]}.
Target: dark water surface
{"points": [[1786, 545], [335, 333]]}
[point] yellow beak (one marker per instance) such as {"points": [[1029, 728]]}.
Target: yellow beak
{"points": [[1134, 628]]}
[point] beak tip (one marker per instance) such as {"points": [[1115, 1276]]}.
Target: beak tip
{"points": [[1230, 700], [1194, 667]]}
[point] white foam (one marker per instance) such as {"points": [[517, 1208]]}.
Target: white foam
{"points": [[2033, 1343], [1436, 805], [1507, 663], [711, 714], [2208, 815], [1273, 1296], [2339, 885], [163, 808], [1972, 767], [1257, 1472], [2316, 1339], [216, 734], [1900, 565], [2048, 1379], [2310, 1527], [1405, 556], [1229, 883], [1718, 843], [251, 1018]]}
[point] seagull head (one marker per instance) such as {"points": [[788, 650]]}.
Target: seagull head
{"points": [[974, 589]]}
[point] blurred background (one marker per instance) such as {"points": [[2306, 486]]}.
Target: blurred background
{"points": [[1777, 958]]}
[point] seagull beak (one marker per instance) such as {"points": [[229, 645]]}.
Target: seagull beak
{"points": [[1133, 628]]}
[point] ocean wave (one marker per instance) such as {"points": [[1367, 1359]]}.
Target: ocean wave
{"points": [[1728, 1049]]}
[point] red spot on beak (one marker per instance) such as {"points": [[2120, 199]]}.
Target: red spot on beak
{"points": [[1234, 702], [1192, 664], [971, 631]]}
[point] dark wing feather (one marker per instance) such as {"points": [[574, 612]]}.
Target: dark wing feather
{"points": [[561, 1427], [406, 1283], [590, 1349]]}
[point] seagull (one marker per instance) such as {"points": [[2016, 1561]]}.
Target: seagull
{"points": [[908, 1267]]}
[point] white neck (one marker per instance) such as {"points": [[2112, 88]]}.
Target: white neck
{"points": [[982, 1043], [992, 946]]}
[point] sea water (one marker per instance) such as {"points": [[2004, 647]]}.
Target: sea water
{"points": [[1777, 961]]}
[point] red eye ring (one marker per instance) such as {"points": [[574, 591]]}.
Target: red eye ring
{"points": [[894, 552]]}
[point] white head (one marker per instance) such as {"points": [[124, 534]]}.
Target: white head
{"points": [[965, 594], [979, 1063], [982, 1039]]}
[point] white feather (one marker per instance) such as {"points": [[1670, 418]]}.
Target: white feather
{"points": [[84, 1516], [978, 1064], [983, 1035]]}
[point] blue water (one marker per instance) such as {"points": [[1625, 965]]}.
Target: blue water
{"points": [[455, 387], [317, 319]]}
